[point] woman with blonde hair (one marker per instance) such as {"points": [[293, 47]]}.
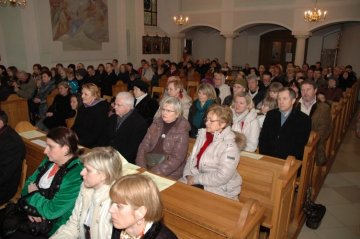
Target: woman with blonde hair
{"points": [[175, 88], [90, 217], [91, 116], [136, 211], [215, 155], [206, 97], [245, 120]]}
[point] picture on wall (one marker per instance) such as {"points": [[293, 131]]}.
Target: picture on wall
{"points": [[156, 45], [81, 24], [165, 45], [147, 44]]}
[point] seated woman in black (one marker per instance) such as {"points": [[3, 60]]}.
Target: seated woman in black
{"points": [[59, 110], [91, 117]]}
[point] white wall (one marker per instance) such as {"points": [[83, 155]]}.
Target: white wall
{"points": [[349, 46], [26, 37], [207, 43]]}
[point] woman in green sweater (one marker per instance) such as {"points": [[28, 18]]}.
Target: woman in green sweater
{"points": [[49, 195]]}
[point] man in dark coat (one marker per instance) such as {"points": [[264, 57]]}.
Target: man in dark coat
{"points": [[126, 128], [109, 80], [12, 153], [285, 130], [144, 104]]}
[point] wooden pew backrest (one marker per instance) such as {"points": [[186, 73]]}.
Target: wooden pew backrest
{"points": [[16, 108], [270, 181]]}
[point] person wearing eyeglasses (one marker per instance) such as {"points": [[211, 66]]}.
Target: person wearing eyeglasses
{"points": [[215, 156], [164, 147], [90, 217], [126, 128]]}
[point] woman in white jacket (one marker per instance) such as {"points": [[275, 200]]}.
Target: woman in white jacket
{"points": [[245, 120], [91, 217], [215, 156]]}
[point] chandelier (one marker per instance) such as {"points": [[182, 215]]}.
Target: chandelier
{"points": [[315, 15], [180, 20], [13, 3]]}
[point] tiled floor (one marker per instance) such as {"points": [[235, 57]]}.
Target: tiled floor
{"points": [[341, 194]]}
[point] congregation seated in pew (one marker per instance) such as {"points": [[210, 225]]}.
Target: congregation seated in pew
{"points": [[126, 128], [144, 104], [320, 114], [213, 161], [206, 96], [176, 89], [59, 110], [136, 211], [90, 217], [49, 194], [91, 116], [164, 148], [245, 120], [285, 130]]}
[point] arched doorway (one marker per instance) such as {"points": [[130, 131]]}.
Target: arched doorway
{"points": [[205, 42], [277, 47]]}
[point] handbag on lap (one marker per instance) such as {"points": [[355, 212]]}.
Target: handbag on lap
{"points": [[152, 159]]}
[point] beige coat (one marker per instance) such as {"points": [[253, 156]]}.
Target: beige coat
{"points": [[217, 169], [101, 226]]}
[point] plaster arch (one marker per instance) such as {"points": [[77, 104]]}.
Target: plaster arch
{"points": [[191, 27], [338, 21], [246, 25]]}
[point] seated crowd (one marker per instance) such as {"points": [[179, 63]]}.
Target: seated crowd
{"points": [[73, 196]]}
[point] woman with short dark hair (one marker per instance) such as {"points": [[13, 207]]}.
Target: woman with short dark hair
{"points": [[49, 194]]}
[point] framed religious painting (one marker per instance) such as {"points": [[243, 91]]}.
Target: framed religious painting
{"points": [[147, 44], [165, 45], [156, 45]]}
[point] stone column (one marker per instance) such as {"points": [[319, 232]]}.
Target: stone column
{"points": [[300, 47], [229, 39], [177, 46]]}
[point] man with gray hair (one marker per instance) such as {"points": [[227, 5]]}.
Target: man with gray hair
{"points": [[255, 91], [25, 87], [126, 128]]}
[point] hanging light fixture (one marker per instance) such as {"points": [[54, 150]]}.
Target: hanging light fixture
{"points": [[13, 3], [180, 20], [315, 15]]}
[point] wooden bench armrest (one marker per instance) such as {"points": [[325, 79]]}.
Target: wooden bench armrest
{"points": [[250, 215]]}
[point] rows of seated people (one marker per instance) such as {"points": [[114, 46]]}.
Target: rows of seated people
{"points": [[264, 110]]}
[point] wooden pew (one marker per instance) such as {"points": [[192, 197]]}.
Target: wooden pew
{"points": [[16, 108], [191, 212], [191, 88], [304, 182], [120, 86], [34, 152], [271, 181], [50, 98], [194, 213], [157, 92]]}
